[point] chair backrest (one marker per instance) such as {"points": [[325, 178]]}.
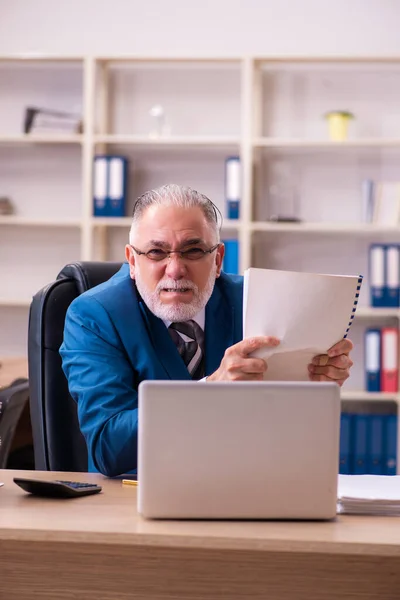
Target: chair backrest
{"points": [[57, 439], [13, 399]]}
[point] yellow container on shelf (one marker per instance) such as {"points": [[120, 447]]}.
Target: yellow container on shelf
{"points": [[338, 122]]}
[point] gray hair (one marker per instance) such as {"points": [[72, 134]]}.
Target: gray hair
{"points": [[176, 195]]}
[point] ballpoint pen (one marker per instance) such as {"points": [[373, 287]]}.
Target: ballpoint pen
{"points": [[129, 482]]}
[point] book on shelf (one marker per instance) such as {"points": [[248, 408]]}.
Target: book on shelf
{"points": [[372, 360], [392, 275], [390, 444], [360, 450], [367, 201], [233, 186], [386, 209], [44, 120], [231, 258], [380, 202], [307, 312], [110, 185], [368, 443], [384, 275], [389, 359], [345, 449], [381, 359], [376, 457]]}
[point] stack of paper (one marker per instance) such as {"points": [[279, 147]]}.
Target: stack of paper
{"points": [[369, 494], [307, 312]]}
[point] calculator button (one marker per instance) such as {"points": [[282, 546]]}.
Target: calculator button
{"points": [[69, 483]]}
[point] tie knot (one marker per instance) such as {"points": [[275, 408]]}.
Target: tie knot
{"points": [[189, 328]]}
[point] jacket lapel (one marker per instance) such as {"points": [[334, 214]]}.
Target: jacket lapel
{"points": [[219, 329], [164, 347]]}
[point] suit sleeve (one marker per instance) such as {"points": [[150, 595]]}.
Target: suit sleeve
{"points": [[102, 382]]}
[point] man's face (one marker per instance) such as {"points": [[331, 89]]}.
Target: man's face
{"points": [[175, 288]]}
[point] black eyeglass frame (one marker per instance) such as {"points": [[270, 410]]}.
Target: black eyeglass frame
{"points": [[183, 253]]}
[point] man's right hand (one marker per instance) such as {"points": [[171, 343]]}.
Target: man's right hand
{"points": [[237, 365]]}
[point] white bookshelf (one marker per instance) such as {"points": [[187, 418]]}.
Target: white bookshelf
{"points": [[126, 222], [266, 109], [369, 312], [12, 221], [180, 141], [40, 139], [332, 146], [335, 228], [241, 105], [363, 396]]}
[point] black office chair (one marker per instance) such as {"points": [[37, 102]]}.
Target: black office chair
{"points": [[13, 399], [57, 440]]}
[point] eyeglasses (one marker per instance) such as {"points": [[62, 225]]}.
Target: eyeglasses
{"points": [[158, 254]]}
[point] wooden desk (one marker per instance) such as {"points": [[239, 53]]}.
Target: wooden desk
{"points": [[97, 547]]}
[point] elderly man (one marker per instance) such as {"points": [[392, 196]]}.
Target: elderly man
{"points": [[170, 313]]}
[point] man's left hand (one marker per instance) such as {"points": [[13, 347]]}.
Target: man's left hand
{"points": [[333, 366]]}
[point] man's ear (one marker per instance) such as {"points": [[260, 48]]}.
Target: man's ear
{"points": [[219, 258], [130, 257]]}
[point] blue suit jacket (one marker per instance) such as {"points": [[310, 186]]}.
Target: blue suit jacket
{"points": [[112, 342]]}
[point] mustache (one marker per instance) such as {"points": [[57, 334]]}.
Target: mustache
{"points": [[172, 284]]}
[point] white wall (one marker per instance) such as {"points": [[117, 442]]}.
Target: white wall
{"points": [[224, 27]]}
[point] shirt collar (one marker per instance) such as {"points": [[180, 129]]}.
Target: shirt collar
{"points": [[200, 319]]}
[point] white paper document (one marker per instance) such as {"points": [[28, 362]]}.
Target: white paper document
{"points": [[307, 312], [369, 494]]}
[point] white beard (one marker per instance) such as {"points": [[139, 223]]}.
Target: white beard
{"points": [[176, 312]]}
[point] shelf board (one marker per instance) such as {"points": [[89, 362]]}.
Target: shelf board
{"points": [[362, 395], [12, 220], [262, 58], [170, 59], [350, 228], [304, 144], [34, 57], [184, 140], [327, 59], [366, 312], [269, 226], [127, 222], [231, 224], [111, 221], [42, 138], [15, 302]]}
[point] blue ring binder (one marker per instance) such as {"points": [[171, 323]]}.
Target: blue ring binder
{"points": [[360, 280]]}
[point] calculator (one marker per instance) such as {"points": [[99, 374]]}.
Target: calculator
{"points": [[57, 488]]}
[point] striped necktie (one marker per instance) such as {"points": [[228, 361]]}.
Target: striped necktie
{"points": [[190, 346]]}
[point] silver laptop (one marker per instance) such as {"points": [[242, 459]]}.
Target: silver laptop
{"points": [[242, 450]]}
